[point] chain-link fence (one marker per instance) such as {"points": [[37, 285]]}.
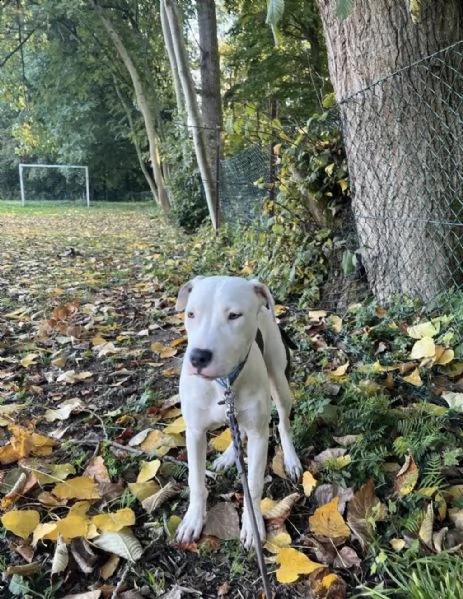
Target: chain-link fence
{"points": [[241, 197], [404, 142]]}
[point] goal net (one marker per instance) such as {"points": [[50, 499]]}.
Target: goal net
{"points": [[61, 183]]}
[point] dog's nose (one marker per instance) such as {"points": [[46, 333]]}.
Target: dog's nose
{"points": [[200, 358]]}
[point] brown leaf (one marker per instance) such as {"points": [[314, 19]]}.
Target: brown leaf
{"points": [[407, 477], [364, 506], [222, 521]]}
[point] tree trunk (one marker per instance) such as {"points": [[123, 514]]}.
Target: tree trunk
{"points": [[402, 127], [143, 105], [141, 162], [211, 103], [197, 127], [173, 64]]}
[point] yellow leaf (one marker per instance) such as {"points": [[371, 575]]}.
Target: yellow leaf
{"points": [[279, 309], [80, 487], [115, 521], [278, 464], [293, 563], [317, 314], [148, 470], [73, 526], [335, 323], [275, 542], [176, 427], [47, 530], [29, 359], [341, 370], [407, 477], [343, 184], [143, 490], [172, 524], [157, 347], [414, 378], [57, 472], [168, 352], [329, 580], [80, 508], [309, 482], [443, 356], [179, 341], [424, 329], [21, 522], [423, 348], [222, 441], [328, 522], [267, 504], [98, 341], [397, 544]]}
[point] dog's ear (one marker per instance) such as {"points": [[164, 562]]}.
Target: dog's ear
{"points": [[184, 292], [263, 293]]}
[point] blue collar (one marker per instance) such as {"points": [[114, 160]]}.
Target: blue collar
{"points": [[227, 381]]}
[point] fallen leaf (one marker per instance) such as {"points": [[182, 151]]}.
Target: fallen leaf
{"points": [[423, 348], [414, 378], [121, 543], [424, 329], [309, 482], [426, 528], [80, 487], [115, 521], [21, 522], [407, 477], [328, 522], [222, 441], [293, 563], [222, 521], [148, 470]]}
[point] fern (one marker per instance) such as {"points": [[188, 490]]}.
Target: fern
{"points": [[432, 472]]}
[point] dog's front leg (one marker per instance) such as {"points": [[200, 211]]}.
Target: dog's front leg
{"points": [[192, 524], [257, 461]]}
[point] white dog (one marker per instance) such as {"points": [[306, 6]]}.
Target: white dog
{"points": [[222, 318]]}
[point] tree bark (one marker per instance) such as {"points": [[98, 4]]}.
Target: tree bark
{"points": [[191, 105], [403, 126], [143, 105], [141, 162], [173, 63], [211, 103]]}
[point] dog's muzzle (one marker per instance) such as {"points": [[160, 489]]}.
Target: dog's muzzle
{"points": [[200, 358]]}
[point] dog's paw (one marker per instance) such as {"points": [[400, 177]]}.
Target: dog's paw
{"points": [[225, 460], [191, 526], [293, 465], [247, 532]]}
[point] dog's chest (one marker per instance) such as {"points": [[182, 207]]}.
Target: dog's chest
{"points": [[204, 408]]}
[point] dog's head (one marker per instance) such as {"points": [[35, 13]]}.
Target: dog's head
{"points": [[221, 318]]}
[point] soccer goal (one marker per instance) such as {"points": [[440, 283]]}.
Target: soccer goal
{"points": [[68, 183]]}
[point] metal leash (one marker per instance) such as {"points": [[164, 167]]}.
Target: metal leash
{"points": [[229, 401]]}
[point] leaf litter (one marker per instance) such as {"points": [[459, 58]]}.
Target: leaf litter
{"points": [[93, 475]]}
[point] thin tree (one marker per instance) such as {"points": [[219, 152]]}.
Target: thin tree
{"points": [[143, 105], [172, 32]]}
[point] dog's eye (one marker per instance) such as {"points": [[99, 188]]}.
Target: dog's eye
{"points": [[190, 314], [234, 316]]}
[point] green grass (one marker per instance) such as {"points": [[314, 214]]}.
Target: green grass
{"points": [[11, 207]]}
